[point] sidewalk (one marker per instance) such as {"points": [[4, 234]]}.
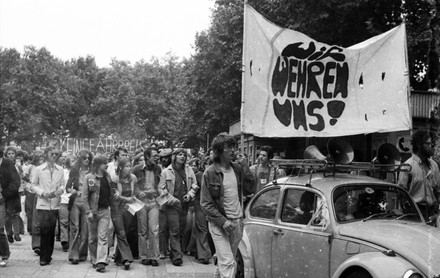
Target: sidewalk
{"points": [[24, 263]]}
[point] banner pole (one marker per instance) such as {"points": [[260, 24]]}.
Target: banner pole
{"points": [[243, 70], [408, 88]]}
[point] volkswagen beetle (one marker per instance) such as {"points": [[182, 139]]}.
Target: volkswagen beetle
{"points": [[336, 225]]}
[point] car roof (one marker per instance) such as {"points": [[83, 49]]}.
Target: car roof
{"points": [[326, 182]]}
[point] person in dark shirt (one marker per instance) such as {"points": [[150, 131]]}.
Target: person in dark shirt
{"points": [[146, 189], [9, 196], [96, 195], [13, 219], [178, 183]]}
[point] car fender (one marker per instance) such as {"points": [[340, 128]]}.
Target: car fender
{"points": [[248, 259], [377, 264]]}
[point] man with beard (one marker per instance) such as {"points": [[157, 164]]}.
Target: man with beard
{"points": [[423, 181], [146, 190]]}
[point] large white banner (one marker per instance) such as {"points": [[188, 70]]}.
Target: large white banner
{"points": [[294, 86]]}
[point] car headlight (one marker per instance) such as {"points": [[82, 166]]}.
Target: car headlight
{"points": [[412, 274]]}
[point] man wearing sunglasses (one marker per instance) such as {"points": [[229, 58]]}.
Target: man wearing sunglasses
{"points": [[48, 183]]}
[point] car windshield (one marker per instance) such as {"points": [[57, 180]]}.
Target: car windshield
{"points": [[363, 202]]}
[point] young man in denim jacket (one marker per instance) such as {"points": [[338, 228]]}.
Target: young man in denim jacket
{"points": [[223, 185]]}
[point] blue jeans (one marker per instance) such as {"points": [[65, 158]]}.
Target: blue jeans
{"points": [[148, 230], [78, 231], [64, 223], [98, 228], [4, 245], [123, 251], [226, 246]]}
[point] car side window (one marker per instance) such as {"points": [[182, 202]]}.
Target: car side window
{"points": [[304, 207], [265, 205]]}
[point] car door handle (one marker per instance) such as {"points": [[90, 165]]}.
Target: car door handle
{"points": [[278, 232]]}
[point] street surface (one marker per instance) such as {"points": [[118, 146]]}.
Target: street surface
{"points": [[25, 263]]}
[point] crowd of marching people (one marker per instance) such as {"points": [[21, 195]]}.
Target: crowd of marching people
{"points": [[147, 206], [155, 204]]}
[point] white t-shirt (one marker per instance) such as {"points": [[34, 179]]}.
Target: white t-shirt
{"points": [[111, 170], [231, 202], [65, 196]]}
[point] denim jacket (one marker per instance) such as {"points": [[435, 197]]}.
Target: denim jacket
{"points": [[211, 198], [168, 179], [91, 196], [139, 172]]}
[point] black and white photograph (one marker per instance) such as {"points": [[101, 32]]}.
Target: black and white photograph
{"points": [[220, 138]]}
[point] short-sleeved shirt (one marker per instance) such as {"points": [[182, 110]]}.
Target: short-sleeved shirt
{"points": [[422, 183], [264, 175]]}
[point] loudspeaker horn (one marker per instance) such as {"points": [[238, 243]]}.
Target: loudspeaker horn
{"points": [[388, 154], [340, 151], [312, 152]]}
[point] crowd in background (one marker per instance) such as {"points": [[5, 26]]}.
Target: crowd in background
{"points": [[143, 206], [155, 204]]}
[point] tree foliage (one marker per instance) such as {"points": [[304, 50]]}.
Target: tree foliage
{"points": [[186, 101], [45, 97], [215, 75]]}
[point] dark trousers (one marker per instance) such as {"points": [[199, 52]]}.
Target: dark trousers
{"points": [[164, 235], [4, 245], [48, 222], [176, 220], [12, 223], [428, 211], [29, 209], [201, 231], [36, 240], [130, 224]]}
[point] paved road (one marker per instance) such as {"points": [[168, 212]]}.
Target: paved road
{"points": [[24, 263]]}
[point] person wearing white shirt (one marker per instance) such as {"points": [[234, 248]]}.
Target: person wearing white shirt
{"points": [[48, 183]]}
